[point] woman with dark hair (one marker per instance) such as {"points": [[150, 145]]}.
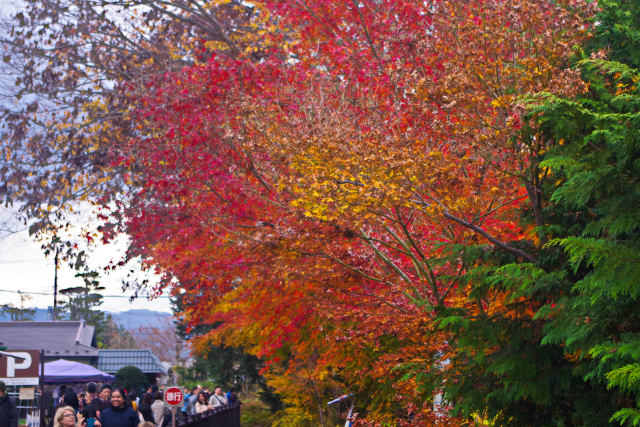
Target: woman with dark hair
{"points": [[61, 391], [70, 398], [145, 407], [120, 414], [201, 404], [82, 400], [90, 416]]}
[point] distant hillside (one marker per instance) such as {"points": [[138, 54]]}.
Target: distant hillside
{"points": [[130, 319]]}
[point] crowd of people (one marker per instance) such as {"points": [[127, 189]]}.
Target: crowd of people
{"points": [[199, 399], [114, 407], [109, 406]]}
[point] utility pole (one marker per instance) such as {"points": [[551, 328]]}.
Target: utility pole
{"points": [[55, 286]]}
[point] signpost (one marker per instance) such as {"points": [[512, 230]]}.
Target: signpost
{"points": [[24, 368], [21, 369], [41, 383], [173, 397]]}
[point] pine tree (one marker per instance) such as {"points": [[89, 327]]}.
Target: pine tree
{"points": [[575, 360], [594, 215]]}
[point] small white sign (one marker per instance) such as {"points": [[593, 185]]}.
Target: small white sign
{"points": [[21, 381], [27, 393]]}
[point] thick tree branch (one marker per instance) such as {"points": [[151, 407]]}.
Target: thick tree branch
{"points": [[502, 245]]}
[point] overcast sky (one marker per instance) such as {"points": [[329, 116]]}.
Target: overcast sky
{"points": [[8, 7], [23, 266]]}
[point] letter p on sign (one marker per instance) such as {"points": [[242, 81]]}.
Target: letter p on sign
{"points": [[13, 364]]}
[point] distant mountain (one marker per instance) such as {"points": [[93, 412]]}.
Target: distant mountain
{"points": [[130, 319]]}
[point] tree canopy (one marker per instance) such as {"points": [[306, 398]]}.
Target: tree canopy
{"points": [[431, 206]]}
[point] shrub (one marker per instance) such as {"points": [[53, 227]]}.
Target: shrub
{"points": [[131, 378]]}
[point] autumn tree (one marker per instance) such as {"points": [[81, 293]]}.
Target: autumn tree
{"points": [[422, 204], [161, 338], [350, 171], [69, 66], [229, 366], [115, 336]]}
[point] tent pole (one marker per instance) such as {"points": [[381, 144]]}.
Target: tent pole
{"points": [[41, 382]]}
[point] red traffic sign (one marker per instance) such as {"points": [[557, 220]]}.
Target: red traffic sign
{"points": [[173, 396]]}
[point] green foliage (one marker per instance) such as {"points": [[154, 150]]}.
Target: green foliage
{"points": [[596, 319], [17, 313], [82, 301], [503, 371], [618, 31], [131, 378], [255, 413], [269, 397], [574, 361], [627, 415], [231, 366]]}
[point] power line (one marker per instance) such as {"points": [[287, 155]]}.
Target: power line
{"points": [[16, 261], [49, 294]]}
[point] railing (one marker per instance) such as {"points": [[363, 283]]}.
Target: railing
{"points": [[28, 409], [220, 416]]}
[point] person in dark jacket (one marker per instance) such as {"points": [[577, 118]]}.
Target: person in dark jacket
{"points": [[145, 407], [120, 414], [8, 409], [232, 397], [70, 398]]}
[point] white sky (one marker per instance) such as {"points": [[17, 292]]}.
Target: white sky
{"points": [[8, 7], [23, 267]]}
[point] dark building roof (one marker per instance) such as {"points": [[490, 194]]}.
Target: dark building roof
{"points": [[112, 360], [68, 339]]}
